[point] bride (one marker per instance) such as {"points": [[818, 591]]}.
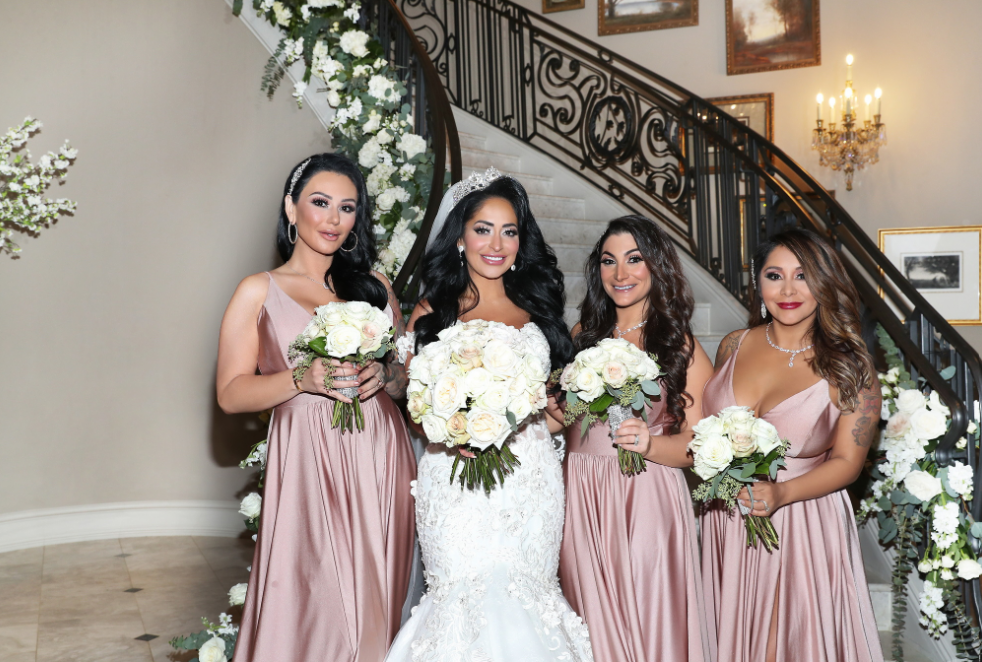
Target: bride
{"points": [[491, 561]]}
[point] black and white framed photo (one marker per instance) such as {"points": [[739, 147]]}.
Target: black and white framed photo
{"points": [[944, 264]]}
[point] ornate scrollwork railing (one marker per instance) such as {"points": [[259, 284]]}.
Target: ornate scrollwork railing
{"points": [[718, 187]]}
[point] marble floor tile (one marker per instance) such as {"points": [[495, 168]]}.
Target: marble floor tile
{"points": [[16, 639]]}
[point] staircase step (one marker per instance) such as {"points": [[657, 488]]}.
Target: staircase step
{"points": [[710, 343], [570, 231], [533, 184], [553, 206], [471, 141], [572, 314], [700, 323], [481, 159], [571, 257], [882, 597], [575, 288]]}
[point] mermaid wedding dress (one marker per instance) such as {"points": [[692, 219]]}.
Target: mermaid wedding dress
{"points": [[491, 562]]}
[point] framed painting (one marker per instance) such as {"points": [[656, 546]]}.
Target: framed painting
{"points": [[549, 6], [754, 110], [767, 35], [944, 264], [619, 16]]}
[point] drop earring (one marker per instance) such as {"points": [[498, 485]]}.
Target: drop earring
{"points": [[513, 267], [460, 252], [763, 310]]}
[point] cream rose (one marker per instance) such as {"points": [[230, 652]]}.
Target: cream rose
{"points": [[457, 425], [910, 400], [742, 440], [237, 594], [435, 428], [922, 485], [487, 428], [468, 357], [357, 311], [614, 373], [521, 406], [712, 456], [212, 650], [500, 359], [448, 394], [969, 569], [343, 341], [251, 505], [371, 337], [495, 398], [417, 405], [589, 386], [766, 436], [927, 424], [477, 381]]}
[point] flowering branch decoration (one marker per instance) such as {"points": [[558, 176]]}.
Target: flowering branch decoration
{"points": [[23, 206], [918, 502], [372, 126]]}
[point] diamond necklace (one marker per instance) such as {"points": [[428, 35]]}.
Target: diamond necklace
{"points": [[621, 334], [324, 283], [792, 352]]}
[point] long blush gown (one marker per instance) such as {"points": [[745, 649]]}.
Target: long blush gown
{"points": [[332, 561], [629, 563], [824, 610]]}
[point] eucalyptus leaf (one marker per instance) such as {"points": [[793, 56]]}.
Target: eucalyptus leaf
{"points": [[572, 398], [884, 503], [976, 530], [651, 387], [511, 420], [638, 402], [584, 426], [948, 372], [772, 469], [748, 471]]}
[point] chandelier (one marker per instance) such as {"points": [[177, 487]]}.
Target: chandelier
{"points": [[850, 146]]}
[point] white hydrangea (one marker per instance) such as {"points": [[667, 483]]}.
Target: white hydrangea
{"points": [[355, 42], [406, 171], [931, 602], [960, 477], [369, 154], [282, 13], [390, 196], [945, 525], [411, 144], [373, 122], [378, 178], [382, 88]]}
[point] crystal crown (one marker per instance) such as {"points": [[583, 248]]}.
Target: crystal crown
{"points": [[476, 182]]}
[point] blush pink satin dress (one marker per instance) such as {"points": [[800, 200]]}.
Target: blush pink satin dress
{"points": [[332, 561], [824, 609], [629, 561]]}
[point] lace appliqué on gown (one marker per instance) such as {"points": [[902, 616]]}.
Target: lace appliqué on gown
{"points": [[492, 561]]}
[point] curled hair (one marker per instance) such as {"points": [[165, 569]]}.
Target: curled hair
{"points": [[841, 356], [351, 270], [668, 333], [535, 286]]}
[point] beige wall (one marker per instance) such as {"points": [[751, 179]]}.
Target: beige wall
{"points": [[927, 58], [109, 321]]}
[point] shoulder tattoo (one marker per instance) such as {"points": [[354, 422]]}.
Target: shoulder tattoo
{"points": [[728, 346], [869, 416]]}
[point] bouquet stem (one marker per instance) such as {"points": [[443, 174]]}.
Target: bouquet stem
{"points": [[761, 529], [631, 463], [489, 467], [348, 416]]}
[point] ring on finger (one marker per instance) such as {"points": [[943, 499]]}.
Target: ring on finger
{"points": [[767, 508], [636, 439]]}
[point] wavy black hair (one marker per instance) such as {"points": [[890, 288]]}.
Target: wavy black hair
{"points": [[668, 333], [535, 286], [351, 269]]}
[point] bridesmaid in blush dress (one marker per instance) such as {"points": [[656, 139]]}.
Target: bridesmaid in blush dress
{"points": [[802, 366], [332, 561], [629, 562]]}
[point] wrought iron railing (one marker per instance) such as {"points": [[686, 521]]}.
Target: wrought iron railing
{"points": [[717, 186], [432, 116]]}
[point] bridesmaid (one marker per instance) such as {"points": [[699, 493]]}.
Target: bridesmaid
{"points": [[802, 366], [629, 563], [332, 560]]}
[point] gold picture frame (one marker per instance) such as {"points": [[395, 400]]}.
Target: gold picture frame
{"points": [[754, 110], [633, 18], [944, 264], [549, 6], [761, 37]]}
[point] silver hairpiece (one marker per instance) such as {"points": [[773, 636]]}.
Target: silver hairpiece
{"points": [[296, 176], [753, 278], [476, 182]]}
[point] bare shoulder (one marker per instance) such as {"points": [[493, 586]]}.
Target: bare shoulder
{"points": [[252, 289], [422, 308], [575, 331], [728, 345], [382, 279]]}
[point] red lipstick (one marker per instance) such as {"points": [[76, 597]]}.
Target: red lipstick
{"points": [[789, 305]]}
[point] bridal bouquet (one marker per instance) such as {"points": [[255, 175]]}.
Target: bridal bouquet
{"points": [[607, 383], [474, 387], [351, 331], [731, 449]]}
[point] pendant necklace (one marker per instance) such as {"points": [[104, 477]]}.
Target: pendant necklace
{"points": [[324, 284], [621, 334], [792, 352]]}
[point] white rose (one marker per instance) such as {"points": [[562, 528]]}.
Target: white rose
{"points": [[358, 310], [969, 569], [922, 485], [927, 424], [615, 374], [495, 398], [766, 436], [486, 428], [354, 43], [343, 341], [213, 650], [449, 394], [960, 478], [520, 406], [707, 426], [411, 144], [237, 594], [972, 427], [742, 439], [893, 374], [386, 200], [947, 562], [500, 359], [435, 428], [713, 455], [593, 358], [898, 425], [477, 381], [934, 404], [251, 505], [910, 400], [924, 567], [589, 386]]}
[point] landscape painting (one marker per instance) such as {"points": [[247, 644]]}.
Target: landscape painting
{"points": [[766, 35], [549, 6], [618, 16]]}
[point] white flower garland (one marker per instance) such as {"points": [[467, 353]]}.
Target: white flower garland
{"points": [[22, 184], [372, 126]]}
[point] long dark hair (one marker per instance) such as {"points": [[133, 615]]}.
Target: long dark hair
{"points": [[841, 356], [351, 269], [667, 334], [535, 286]]}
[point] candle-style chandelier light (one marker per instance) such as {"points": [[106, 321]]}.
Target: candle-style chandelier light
{"points": [[851, 146]]}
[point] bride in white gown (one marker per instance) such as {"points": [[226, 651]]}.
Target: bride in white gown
{"points": [[491, 561]]}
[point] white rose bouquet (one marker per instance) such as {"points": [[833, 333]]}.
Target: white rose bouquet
{"points": [[731, 450], [474, 387], [351, 331], [607, 383]]}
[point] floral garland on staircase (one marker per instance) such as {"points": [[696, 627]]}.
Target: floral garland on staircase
{"points": [[372, 125], [918, 503]]}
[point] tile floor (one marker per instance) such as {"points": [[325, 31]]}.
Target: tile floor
{"points": [[78, 602]]}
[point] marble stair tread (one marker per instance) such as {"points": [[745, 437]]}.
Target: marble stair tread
{"points": [[472, 141], [482, 159]]}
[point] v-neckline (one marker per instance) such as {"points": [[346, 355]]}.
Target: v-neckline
{"points": [[732, 369], [295, 302]]}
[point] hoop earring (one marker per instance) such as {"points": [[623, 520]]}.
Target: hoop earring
{"points": [[348, 250], [460, 253], [763, 310], [292, 236]]}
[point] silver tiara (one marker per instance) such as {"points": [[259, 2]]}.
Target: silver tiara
{"points": [[476, 182], [296, 176]]}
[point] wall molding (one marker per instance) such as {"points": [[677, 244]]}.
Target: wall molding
{"points": [[55, 526]]}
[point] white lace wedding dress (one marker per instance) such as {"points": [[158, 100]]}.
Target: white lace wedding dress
{"points": [[491, 561]]}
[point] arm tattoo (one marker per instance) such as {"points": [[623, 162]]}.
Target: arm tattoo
{"points": [[394, 373], [869, 416], [727, 347]]}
